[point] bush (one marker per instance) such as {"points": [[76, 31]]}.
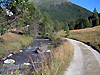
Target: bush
{"points": [[56, 41], [1, 40]]}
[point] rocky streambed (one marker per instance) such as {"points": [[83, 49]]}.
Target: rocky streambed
{"points": [[33, 54]]}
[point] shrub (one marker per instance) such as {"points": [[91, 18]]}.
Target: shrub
{"points": [[56, 41], [1, 40]]}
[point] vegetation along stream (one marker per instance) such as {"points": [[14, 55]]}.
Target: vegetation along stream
{"points": [[26, 57]]}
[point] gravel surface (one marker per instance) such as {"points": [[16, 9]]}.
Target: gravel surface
{"points": [[86, 61]]}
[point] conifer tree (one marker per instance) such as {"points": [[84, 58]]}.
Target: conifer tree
{"points": [[57, 26], [47, 26], [72, 25], [67, 30], [87, 23], [95, 13], [97, 21], [63, 26], [91, 23], [81, 26]]}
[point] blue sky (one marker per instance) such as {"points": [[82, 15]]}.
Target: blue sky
{"points": [[88, 4]]}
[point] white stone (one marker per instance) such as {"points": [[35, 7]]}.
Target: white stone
{"points": [[9, 61], [48, 51], [35, 62], [10, 55], [27, 64], [28, 25], [29, 47], [21, 51]]}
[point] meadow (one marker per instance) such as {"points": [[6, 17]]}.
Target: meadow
{"points": [[90, 36]]}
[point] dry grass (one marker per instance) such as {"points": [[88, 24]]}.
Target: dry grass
{"points": [[13, 43], [60, 59], [88, 35], [61, 33]]}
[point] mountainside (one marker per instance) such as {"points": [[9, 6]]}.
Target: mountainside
{"points": [[62, 10], [66, 12], [48, 2]]}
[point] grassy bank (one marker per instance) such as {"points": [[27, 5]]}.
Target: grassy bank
{"points": [[91, 36], [57, 64], [59, 61], [13, 43]]}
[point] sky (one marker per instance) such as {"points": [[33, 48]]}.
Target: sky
{"points": [[88, 4]]}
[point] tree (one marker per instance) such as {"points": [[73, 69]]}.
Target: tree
{"points": [[95, 13], [91, 23], [87, 23], [97, 21], [46, 26], [72, 25], [67, 30], [79, 23], [57, 26], [81, 26], [2, 29], [99, 15], [62, 26]]}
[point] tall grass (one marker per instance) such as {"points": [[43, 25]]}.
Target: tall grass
{"points": [[59, 60]]}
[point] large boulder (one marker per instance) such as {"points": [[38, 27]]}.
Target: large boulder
{"points": [[42, 49]]}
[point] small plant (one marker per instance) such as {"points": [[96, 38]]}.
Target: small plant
{"points": [[1, 40], [56, 41], [43, 45], [50, 47]]}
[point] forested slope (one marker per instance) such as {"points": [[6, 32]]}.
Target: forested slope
{"points": [[65, 12]]}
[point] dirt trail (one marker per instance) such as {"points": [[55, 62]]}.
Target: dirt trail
{"points": [[86, 61]]}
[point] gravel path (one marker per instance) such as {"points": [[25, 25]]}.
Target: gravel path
{"points": [[86, 61]]}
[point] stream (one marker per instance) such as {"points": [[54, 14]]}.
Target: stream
{"points": [[26, 57]]}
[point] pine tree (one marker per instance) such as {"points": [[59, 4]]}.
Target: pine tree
{"points": [[47, 26], [87, 23], [67, 30], [62, 27], [72, 25], [91, 23], [99, 15], [95, 13], [57, 26], [97, 21], [81, 26]]}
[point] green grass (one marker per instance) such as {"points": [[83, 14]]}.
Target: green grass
{"points": [[91, 36]]}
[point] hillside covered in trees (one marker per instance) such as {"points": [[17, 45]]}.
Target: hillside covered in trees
{"points": [[47, 3], [62, 10], [65, 12]]}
